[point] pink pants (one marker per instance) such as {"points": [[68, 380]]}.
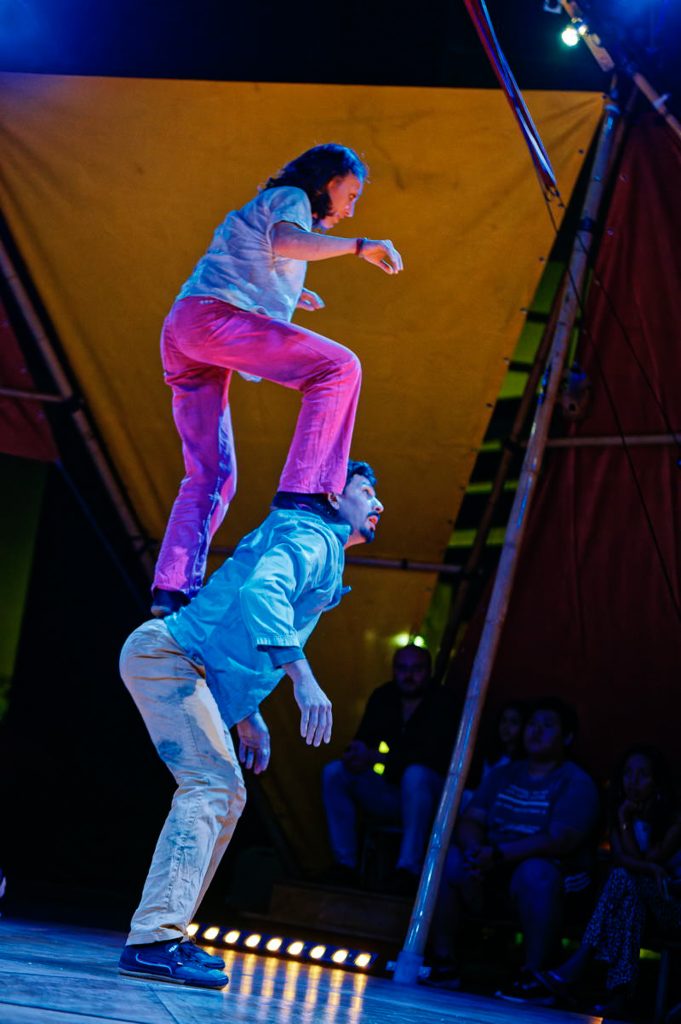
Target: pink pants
{"points": [[203, 341]]}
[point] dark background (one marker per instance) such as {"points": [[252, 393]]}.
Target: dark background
{"points": [[429, 44]]}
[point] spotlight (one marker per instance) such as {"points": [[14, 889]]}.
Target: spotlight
{"points": [[400, 639], [552, 7], [570, 36], [278, 945], [193, 929]]}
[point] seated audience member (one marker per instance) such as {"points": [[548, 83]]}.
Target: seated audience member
{"points": [[645, 883], [523, 843], [408, 726], [503, 745]]}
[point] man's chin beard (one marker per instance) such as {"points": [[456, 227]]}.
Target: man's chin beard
{"points": [[368, 534]]}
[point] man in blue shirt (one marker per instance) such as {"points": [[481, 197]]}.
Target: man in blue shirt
{"points": [[206, 668]]}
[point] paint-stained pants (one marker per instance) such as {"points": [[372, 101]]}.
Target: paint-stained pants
{"points": [[190, 736], [203, 341]]}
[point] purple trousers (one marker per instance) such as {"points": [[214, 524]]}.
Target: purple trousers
{"points": [[203, 341]]}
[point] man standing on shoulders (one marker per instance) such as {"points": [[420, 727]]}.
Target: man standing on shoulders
{"points": [[208, 667], [234, 315]]}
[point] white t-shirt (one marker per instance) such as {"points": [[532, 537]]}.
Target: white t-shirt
{"points": [[240, 266]]}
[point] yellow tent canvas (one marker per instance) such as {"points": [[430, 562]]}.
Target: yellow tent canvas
{"points": [[112, 188]]}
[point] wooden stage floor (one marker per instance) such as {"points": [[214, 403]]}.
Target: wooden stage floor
{"points": [[61, 974]]}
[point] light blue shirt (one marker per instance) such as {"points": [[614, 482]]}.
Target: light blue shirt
{"points": [[269, 593], [240, 266]]}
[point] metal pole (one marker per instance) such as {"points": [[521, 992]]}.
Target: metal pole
{"points": [[410, 958], [400, 564], [79, 418], [513, 443], [617, 441]]}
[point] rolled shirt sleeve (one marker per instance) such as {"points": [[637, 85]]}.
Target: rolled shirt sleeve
{"points": [[290, 205], [280, 656], [278, 580]]}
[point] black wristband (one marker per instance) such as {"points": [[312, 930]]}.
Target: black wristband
{"points": [[359, 245]]}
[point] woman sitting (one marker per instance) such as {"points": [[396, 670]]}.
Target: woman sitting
{"points": [[645, 835]]}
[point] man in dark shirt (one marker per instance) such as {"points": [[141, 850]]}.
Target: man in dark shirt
{"points": [[393, 770]]}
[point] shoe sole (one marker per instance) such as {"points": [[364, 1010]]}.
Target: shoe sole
{"points": [[527, 1001], [168, 979]]}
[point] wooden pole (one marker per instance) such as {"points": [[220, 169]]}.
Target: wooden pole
{"points": [[410, 958]]}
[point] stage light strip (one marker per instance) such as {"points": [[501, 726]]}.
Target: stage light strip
{"points": [[286, 947]]}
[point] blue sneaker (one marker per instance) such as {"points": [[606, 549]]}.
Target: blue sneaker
{"points": [[169, 961], [200, 956]]}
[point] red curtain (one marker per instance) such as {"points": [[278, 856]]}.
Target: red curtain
{"points": [[594, 615], [24, 430]]}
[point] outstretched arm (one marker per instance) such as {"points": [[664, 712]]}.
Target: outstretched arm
{"points": [[295, 243]]}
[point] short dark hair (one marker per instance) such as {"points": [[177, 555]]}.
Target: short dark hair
{"points": [[314, 169], [356, 468], [423, 651], [569, 722]]}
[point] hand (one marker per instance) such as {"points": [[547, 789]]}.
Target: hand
{"points": [[478, 860], [316, 719], [254, 742], [382, 254], [358, 757], [310, 301]]}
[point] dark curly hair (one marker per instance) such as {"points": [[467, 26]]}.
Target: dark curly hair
{"points": [[318, 502], [357, 468], [314, 169]]}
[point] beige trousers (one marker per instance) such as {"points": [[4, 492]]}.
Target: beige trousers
{"points": [[185, 726]]}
